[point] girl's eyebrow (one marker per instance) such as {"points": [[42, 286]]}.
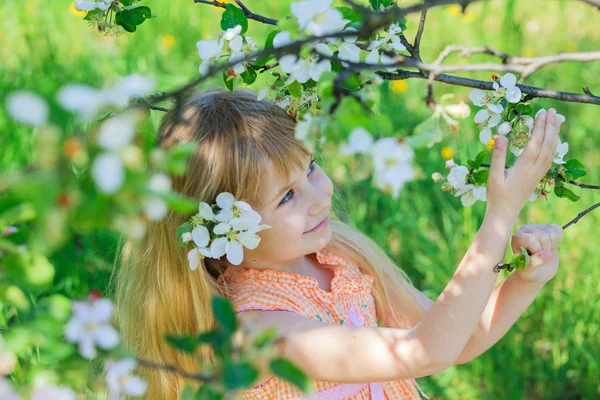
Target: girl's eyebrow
{"points": [[291, 184]]}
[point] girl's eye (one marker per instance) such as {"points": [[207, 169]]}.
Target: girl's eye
{"points": [[283, 201]]}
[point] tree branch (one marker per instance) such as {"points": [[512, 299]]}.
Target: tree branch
{"points": [[249, 14]]}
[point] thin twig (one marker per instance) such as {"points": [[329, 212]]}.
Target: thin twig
{"points": [[531, 91], [172, 368], [583, 185], [507, 266], [416, 53], [249, 14]]}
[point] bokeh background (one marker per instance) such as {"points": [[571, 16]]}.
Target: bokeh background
{"points": [[553, 350]]}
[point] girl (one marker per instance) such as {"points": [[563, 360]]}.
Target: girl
{"points": [[324, 285]]}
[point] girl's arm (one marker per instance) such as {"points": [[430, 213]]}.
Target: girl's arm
{"points": [[337, 353], [508, 301]]}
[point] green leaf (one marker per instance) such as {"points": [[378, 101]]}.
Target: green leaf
{"points": [[232, 17], [295, 89], [126, 2], [562, 191], [184, 343], [379, 4], [526, 255], [224, 313], [576, 168], [239, 375], [16, 214], [181, 229], [119, 21], [268, 45], [518, 261], [291, 373], [249, 75], [136, 15], [90, 14], [229, 81], [481, 176], [351, 14], [479, 159], [265, 338], [208, 392], [187, 393]]}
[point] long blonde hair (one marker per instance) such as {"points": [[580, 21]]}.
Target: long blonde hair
{"points": [[156, 292]]}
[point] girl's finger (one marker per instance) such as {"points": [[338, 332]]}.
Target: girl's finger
{"points": [[553, 236], [527, 240], [559, 229], [544, 238], [539, 258], [533, 147], [546, 150]]}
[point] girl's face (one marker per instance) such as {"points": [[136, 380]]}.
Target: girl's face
{"points": [[292, 209]]}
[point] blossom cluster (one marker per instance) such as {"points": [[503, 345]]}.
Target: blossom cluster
{"points": [[224, 228], [229, 41], [391, 159]]}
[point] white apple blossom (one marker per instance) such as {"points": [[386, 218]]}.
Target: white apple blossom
{"points": [[391, 162], [458, 177], [469, 196], [108, 172], [81, 5], [486, 120], [481, 99], [302, 69], [90, 326], [155, 207], [561, 150], [359, 141], [316, 17], [504, 129], [450, 163], [27, 108], [52, 392], [437, 177], [87, 101], [507, 88], [121, 382]]}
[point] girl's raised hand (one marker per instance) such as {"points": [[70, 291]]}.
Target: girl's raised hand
{"points": [[509, 189], [537, 240]]}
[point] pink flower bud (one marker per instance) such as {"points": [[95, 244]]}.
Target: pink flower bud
{"points": [[450, 163]]}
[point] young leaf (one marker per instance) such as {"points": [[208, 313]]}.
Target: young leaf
{"points": [[232, 17], [224, 313], [184, 343], [288, 371], [208, 392], [181, 229], [249, 75], [481, 176], [562, 191], [295, 89], [576, 168], [135, 15], [526, 255], [120, 21], [239, 375]]}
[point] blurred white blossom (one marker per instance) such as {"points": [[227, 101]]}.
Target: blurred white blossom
{"points": [[90, 326], [27, 108], [120, 380]]}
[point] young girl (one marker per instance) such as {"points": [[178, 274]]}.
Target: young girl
{"points": [[324, 285]]}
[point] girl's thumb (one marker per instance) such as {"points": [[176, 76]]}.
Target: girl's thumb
{"points": [[499, 156], [539, 258]]}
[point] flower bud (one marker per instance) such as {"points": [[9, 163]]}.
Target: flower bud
{"points": [[437, 177], [450, 163], [551, 182], [495, 77]]}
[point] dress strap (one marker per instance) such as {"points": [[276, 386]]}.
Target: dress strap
{"points": [[346, 390]]}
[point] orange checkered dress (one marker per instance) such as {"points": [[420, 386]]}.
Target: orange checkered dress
{"points": [[350, 302]]}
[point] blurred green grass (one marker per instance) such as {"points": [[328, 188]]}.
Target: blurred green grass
{"points": [[552, 351]]}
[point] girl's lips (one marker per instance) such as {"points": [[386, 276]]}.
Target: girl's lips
{"points": [[320, 226]]}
